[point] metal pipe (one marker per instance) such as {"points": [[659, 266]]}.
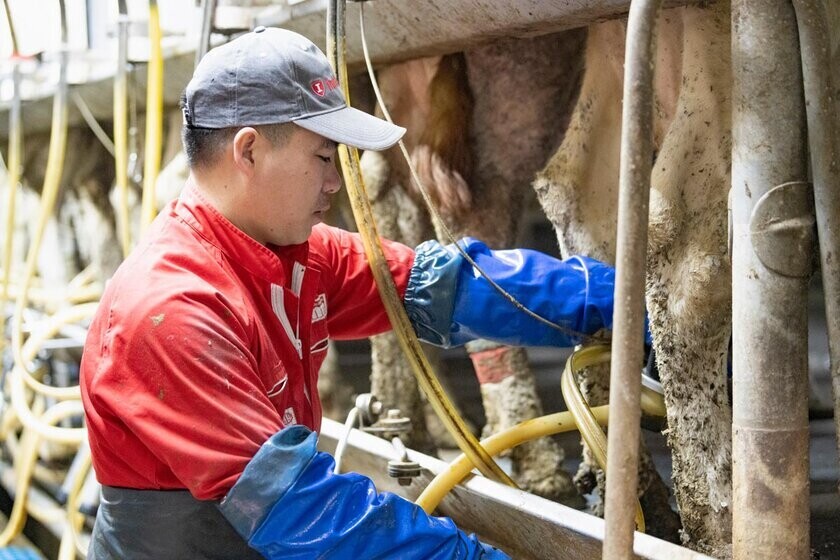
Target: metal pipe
{"points": [[120, 117], [208, 11], [771, 262], [631, 258], [91, 121], [349, 424], [12, 33], [823, 142]]}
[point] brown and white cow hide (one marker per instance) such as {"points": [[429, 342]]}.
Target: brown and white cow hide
{"points": [[477, 162], [399, 216]]}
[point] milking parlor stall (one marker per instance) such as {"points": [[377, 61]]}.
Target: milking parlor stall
{"points": [[692, 145]]}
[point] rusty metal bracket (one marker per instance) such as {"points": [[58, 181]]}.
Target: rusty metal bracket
{"points": [[783, 229]]}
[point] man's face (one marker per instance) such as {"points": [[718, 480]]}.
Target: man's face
{"points": [[292, 187]]}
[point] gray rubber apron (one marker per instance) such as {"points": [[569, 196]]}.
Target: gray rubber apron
{"points": [[139, 524]]}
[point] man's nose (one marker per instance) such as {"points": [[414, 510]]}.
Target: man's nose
{"points": [[332, 182]]}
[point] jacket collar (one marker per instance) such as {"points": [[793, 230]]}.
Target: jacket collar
{"points": [[268, 262]]}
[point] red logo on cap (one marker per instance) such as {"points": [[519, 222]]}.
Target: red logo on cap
{"points": [[321, 87]]}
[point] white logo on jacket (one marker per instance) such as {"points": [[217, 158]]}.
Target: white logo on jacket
{"points": [[289, 418], [319, 311]]}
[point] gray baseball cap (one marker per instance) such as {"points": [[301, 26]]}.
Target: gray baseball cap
{"points": [[271, 76]]}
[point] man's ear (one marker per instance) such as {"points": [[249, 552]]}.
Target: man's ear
{"points": [[243, 149]]}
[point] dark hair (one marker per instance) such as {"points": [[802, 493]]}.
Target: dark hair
{"points": [[203, 145]]}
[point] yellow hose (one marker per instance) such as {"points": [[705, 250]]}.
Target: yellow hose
{"points": [[39, 426], [70, 543], [52, 299], [528, 430], [154, 118], [426, 379], [44, 513], [121, 132], [42, 472], [652, 404], [52, 325], [25, 463], [13, 178], [49, 194], [18, 382], [590, 430]]}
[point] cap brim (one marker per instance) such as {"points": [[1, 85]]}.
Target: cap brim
{"points": [[354, 128]]}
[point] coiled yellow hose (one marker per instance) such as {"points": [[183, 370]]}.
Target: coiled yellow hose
{"points": [[19, 378], [590, 430], [25, 463], [37, 425], [528, 430], [652, 404], [49, 193]]}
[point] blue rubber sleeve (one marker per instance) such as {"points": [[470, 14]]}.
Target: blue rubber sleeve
{"points": [[449, 303], [289, 504]]}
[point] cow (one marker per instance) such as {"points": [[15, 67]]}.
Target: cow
{"points": [[520, 117]]}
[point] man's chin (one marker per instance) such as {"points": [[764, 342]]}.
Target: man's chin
{"points": [[297, 239]]}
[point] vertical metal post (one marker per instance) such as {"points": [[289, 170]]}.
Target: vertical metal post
{"points": [[631, 259], [208, 14], [771, 262], [825, 167], [121, 128]]}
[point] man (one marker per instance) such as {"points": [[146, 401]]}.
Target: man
{"points": [[200, 369]]}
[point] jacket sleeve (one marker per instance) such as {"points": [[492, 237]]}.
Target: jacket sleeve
{"points": [[289, 504], [449, 303], [355, 308]]}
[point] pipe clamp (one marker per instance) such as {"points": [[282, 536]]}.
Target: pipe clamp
{"points": [[782, 229]]}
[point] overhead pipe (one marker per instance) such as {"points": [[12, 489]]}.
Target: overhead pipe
{"points": [[631, 258], [823, 142], [154, 118], [406, 336], [121, 129], [772, 221]]}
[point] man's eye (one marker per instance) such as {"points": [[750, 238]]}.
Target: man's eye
{"points": [[325, 159]]}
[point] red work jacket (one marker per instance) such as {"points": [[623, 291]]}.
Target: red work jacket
{"points": [[206, 343]]}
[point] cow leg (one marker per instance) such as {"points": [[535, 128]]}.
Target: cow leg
{"points": [[401, 217], [578, 191], [688, 292], [520, 89]]}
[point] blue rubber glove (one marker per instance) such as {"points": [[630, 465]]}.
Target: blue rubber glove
{"points": [[289, 504], [450, 304]]}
